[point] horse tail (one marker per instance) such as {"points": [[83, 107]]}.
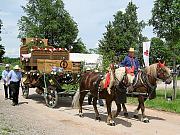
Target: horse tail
{"points": [[75, 101]]}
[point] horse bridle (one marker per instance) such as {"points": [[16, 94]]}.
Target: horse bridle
{"points": [[161, 74]]}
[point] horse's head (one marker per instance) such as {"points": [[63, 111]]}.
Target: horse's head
{"points": [[163, 73]]}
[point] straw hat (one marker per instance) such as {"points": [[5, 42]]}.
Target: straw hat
{"points": [[131, 49], [7, 65], [17, 67]]}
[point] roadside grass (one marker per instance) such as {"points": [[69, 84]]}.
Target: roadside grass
{"points": [[6, 130], [160, 103]]}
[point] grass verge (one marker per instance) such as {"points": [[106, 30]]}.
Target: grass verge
{"points": [[160, 103], [5, 130]]}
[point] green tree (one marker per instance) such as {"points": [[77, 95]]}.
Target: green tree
{"points": [[48, 19], [2, 49], [78, 47], [107, 45], [121, 34], [93, 51], [166, 23], [159, 50]]}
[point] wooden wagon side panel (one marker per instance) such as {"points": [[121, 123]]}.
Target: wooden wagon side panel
{"points": [[76, 67], [45, 65], [59, 55], [39, 54]]}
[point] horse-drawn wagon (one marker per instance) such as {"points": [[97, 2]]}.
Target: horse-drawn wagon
{"points": [[47, 69]]}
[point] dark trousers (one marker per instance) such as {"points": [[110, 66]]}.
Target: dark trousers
{"points": [[15, 91], [6, 91]]}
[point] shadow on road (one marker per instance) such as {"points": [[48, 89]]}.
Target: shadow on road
{"points": [[131, 116], [63, 101], [20, 103], [104, 118], [38, 98]]}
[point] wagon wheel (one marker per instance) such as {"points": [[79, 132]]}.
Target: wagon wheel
{"points": [[52, 97], [25, 91]]}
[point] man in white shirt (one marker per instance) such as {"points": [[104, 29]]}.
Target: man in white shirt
{"points": [[15, 78], [6, 83]]}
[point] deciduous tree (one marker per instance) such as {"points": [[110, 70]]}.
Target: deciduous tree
{"points": [[48, 19], [121, 34]]}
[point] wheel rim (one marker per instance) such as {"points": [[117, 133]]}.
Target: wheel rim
{"points": [[51, 98], [25, 91]]}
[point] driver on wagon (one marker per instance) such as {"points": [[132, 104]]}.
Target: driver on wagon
{"points": [[131, 64]]}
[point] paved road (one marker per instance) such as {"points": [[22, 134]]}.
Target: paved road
{"points": [[32, 117]]}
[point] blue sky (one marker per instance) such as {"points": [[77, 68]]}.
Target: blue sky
{"points": [[90, 15]]}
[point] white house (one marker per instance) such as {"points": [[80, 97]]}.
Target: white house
{"points": [[91, 60]]}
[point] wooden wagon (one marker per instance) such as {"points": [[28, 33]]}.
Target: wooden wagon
{"points": [[47, 69]]}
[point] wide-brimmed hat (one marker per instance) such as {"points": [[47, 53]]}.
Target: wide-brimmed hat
{"points": [[131, 49], [16, 67], [7, 65]]}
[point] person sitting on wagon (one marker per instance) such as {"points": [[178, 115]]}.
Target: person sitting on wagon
{"points": [[132, 66]]}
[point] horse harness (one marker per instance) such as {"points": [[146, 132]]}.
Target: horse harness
{"points": [[143, 78]]}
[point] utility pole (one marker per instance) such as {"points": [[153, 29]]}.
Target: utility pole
{"points": [[174, 75]]}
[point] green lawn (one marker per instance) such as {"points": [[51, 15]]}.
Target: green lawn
{"points": [[160, 103]]}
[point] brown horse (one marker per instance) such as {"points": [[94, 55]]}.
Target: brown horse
{"points": [[91, 82], [145, 85]]}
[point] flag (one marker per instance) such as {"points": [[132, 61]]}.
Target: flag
{"points": [[146, 48]]}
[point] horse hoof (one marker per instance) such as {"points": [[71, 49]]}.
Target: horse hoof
{"points": [[136, 116], [98, 118], [111, 123], [126, 114], [146, 120], [81, 115]]}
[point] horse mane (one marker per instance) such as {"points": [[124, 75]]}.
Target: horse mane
{"points": [[152, 70]]}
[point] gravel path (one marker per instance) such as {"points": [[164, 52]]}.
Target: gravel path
{"points": [[32, 117]]}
